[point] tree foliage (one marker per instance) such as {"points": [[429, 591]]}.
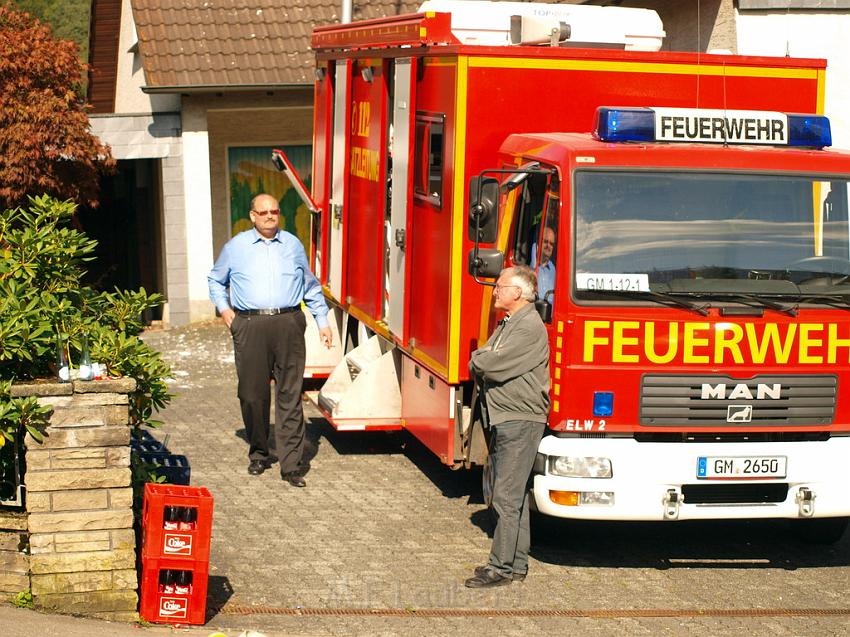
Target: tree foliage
{"points": [[69, 19], [46, 146], [42, 303]]}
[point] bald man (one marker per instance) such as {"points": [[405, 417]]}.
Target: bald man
{"points": [[268, 275]]}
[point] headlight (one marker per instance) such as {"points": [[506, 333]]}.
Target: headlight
{"points": [[577, 467]]}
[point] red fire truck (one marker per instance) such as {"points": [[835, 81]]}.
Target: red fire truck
{"points": [[689, 229]]}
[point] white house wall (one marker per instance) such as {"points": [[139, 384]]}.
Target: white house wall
{"points": [[130, 79], [198, 208], [812, 35]]}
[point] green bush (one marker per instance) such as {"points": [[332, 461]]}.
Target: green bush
{"points": [[43, 302]]}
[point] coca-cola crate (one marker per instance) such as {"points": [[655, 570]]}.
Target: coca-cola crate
{"points": [[173, 592], [176, 522]]}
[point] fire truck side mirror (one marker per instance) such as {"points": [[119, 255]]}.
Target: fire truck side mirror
{"points": [[486, 262], [483, 209]]}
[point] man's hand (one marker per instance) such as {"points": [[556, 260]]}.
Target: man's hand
{"points": [[326, 336], [227, 316]]}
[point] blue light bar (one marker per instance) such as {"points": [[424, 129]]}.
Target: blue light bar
{"points": [[625, 124], [809, 130], [603, 403], [719, 126]]}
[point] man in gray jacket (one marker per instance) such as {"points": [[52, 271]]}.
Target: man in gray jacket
{"points": [[513, 368]]}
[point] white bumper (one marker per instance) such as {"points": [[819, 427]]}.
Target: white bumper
{"points": [[644, 474]]}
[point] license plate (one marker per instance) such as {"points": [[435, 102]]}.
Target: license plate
{"points": [[741, 467]]}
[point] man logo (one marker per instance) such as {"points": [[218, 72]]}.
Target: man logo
{"points": [[739, 413], [741, 390]]}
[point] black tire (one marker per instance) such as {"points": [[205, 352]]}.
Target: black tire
{"points": [[821, 530], [487, 480]]}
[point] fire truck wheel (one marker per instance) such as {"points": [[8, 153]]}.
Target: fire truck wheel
{"points": [[487, 479], [821, 530]]}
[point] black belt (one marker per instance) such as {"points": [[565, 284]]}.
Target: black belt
{"points": [[272, 311]]}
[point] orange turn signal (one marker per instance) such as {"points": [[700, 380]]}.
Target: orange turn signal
{"points": [[565, 498]]}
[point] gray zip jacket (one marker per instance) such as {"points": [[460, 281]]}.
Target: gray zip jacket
{"points": [[514, 365]]}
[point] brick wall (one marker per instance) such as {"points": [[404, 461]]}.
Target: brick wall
{"points": [[79, 513], [14, 559]]}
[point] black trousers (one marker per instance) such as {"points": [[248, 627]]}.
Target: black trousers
{"points": [[269, 347]]}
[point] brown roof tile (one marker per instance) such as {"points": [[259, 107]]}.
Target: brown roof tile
{"points": [[221, 43]]}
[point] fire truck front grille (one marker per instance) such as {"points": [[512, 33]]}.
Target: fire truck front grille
{"points": [[762, 493], [722, 401]]}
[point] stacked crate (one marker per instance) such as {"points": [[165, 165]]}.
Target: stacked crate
{"points": [[176, 532]]}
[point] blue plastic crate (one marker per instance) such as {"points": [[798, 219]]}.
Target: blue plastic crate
{"points": [[175, 468], [147, 444]]}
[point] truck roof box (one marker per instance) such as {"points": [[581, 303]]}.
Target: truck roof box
{"points": [[489, 23]]}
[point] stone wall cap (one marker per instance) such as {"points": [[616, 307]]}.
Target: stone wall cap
{"points": [[51, 387], [108, 385], [42, 387]]}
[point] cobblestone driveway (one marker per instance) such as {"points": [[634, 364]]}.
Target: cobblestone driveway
{"points": [[383, 525]]}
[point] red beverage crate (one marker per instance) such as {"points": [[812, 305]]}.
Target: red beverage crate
{"points": [[185, 536], [173, 591]]}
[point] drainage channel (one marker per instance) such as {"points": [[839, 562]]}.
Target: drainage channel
{"points": [[242, 609]]}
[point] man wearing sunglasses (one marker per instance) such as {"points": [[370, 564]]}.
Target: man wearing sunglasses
{"points": [[512, 369], [268, 275]]}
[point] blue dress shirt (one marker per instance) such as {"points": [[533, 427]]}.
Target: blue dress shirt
{"points": [[546, 280], [265, 273]]}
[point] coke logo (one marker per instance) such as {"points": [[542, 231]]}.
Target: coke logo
{"points": [[170, 607], [178, 544]]}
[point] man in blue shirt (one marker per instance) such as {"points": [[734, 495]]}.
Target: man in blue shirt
{"points": [[546, 271], [268, 275]]}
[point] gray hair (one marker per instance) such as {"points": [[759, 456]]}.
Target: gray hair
{"points": [[525, 279]]}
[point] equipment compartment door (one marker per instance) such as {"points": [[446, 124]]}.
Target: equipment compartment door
{"points": [[338, 176], [405, 74]]}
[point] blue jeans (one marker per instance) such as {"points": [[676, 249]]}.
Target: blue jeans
{"points": [[512, 456]]}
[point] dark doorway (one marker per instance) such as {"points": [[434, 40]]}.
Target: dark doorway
{"points": [[127, 227]]}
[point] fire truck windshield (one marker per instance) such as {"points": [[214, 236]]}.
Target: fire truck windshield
{"points": [[711, 236]]}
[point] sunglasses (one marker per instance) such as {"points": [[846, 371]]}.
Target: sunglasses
{"points": [[263, 213]]}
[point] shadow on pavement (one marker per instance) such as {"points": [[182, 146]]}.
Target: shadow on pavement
{"points": [[354, 443], [452, 483], [729, 544], [219, 591], [484, 520]]}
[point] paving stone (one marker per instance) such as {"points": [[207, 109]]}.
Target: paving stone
{"points": [[383, 524]]}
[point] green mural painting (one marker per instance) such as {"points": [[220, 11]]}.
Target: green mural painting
{"points": [[252, 172]]}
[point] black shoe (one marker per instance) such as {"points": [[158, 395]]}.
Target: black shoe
{"points": [[516, 577], [256, 467], [487, 578], [294, 479]]}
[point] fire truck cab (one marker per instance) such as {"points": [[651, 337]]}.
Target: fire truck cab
{"points": [[698, 308]]}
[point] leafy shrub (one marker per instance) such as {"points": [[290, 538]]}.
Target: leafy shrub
{"points": [[43, 302], [23, 599]]}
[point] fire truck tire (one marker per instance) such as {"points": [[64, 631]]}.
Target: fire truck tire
{"points": [[821, 530], [487, 480]]}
